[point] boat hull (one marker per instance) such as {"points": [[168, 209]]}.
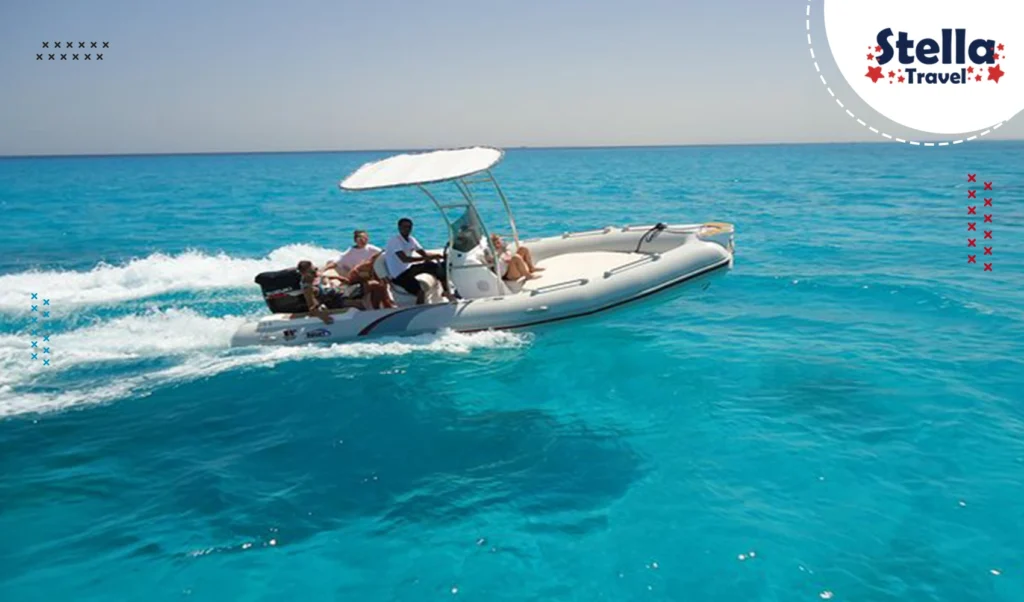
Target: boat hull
{"points": [[585, 273]]}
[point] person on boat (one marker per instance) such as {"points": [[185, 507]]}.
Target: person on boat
{"points": [[406, 259], [376, 292], [321, 293], [512, 266], [360, 251]]}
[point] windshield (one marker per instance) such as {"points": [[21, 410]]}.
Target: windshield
{"points": [[467, 232]]}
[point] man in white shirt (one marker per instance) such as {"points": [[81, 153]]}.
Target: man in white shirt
{"points": [[406, 259], [356, 254]]}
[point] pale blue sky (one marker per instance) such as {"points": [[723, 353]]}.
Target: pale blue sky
{"points": [[234, 75]]}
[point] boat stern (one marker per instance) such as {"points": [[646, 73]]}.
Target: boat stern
{"points": [[272, 330], [246, 335]]}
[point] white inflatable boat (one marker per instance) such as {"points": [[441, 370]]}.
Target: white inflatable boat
{"points": [[584, 272]]}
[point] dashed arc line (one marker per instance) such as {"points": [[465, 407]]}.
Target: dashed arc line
{"points": [[861, 121]]}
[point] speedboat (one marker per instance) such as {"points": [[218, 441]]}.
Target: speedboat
{"points": [[584, 272]]}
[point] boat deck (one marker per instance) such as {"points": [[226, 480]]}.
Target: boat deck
{"points": [[571, 267]]}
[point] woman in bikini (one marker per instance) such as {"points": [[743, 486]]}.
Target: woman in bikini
{"points": [[322, 293], [513, 266]]}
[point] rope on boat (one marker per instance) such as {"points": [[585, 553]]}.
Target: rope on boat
{"points": [[650, 235]]}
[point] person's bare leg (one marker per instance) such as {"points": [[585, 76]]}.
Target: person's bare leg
{"points": [[517, 269], [380, 291], [528, 258]]}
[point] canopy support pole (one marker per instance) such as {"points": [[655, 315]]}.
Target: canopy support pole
{"points": [[436, 204], [464, 189], [508, 210]]}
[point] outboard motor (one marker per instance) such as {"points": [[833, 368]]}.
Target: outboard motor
{"points": [[282, 290]]}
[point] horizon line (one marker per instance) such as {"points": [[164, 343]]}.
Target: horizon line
{"points": [[427, 149]]}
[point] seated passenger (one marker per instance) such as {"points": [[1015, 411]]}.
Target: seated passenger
{"points": [[376, 292], [319, 292], [324, 291], [512, 266], [359, 252], [403, 249]]}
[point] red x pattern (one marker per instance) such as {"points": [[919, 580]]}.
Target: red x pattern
{"points": [[971, 226]]}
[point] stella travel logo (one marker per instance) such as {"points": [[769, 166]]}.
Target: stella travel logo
{"points": [[929, 61], [943, 67]]}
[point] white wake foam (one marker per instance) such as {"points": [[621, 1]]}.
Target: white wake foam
{"points": [[146, 277], [197, 345]]}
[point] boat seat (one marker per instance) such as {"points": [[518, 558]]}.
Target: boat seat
{"points": [[513, 286], [431, 285]]}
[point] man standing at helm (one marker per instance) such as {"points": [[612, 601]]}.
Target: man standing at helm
{"points": [[406, 259]]}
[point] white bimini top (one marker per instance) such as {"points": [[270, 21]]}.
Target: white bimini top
{"points": [[422, 168]]}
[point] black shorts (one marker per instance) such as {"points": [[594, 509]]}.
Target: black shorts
{"points": [[407, 279], [334, 298]]}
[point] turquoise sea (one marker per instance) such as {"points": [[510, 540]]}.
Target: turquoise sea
{"points": [[840, 417]]}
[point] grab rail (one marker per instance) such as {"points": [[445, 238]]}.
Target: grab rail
{"points": [[632, 264], [684, 230], [470, 266], [558, 286], [604, 230]]}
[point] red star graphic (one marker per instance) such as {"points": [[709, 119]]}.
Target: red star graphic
{"points": [[1000, 48], [871, 57], [977, 78], [988, 235], [988, 250], [892, 74], [970, 242], [901, 78], [988, 267], [878, 48], [994, 73], [970, 259], [875, 73], [970, 69], [995, 56], [970, 227]]}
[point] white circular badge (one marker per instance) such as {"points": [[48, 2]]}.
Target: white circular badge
{"points": [[937, 66]]}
